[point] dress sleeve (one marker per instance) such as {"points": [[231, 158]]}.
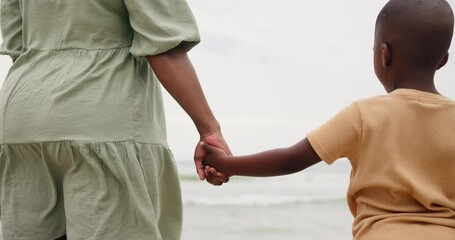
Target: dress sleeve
{"points": [[11, 28], [160, 25], [340, 137]]}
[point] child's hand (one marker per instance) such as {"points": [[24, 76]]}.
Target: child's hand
{"points": [[214, 177], [213, 160], [214, 139]]}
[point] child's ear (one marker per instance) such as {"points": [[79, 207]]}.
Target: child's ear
{"points": [[386, 55], [444, 61]]}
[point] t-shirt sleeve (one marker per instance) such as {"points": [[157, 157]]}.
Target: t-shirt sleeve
{"points": [[160, 25], [11, 28], [340, 137]]}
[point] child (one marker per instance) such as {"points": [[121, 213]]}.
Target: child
{"points": [[401, 146]]}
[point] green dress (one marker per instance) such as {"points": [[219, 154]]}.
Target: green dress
{"points": [[83, 140]]}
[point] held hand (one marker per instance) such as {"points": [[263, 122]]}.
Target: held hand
{"points": [[177, 75], [214, 177], [215, 139], [213, 157]]}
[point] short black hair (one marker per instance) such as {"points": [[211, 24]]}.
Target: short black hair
{"points": [[421, 30]]}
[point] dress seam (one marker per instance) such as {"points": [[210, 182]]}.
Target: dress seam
{"points": [[80, 141], [75, 48]]}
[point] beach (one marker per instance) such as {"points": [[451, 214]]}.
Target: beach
{"points": [[306, 205]]}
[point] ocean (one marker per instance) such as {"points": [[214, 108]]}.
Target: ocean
{"points": [[307, 205]]}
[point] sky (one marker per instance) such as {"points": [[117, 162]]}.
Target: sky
{"points": [[274, 70]]}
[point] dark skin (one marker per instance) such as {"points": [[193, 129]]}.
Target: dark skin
{"points": [[403, 77], [178, 76], [411, 44], [275, 162]]}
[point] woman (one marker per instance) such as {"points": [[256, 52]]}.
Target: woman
{"points": [[84, 150]]}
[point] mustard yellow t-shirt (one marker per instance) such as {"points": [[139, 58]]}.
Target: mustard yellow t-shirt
{"points": [[402, 150]]}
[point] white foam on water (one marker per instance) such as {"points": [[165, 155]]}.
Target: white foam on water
{"points": [[319, 185], [259, 200]]}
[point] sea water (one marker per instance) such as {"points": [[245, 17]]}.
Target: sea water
{"points": [[307, 205]]}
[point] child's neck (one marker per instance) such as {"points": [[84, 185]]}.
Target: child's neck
{"points": [[418, 86], [418, 80]]}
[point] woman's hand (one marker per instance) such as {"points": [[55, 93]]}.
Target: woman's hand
{"points": [[210, 174], [177, 75]]}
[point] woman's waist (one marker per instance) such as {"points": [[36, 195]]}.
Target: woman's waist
{"points": [[60, 65], [88, 43], [74, 51], [62, 79], [104, 125]]}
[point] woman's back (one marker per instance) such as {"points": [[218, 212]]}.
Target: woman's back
{"points": [[80, 75], [83, 147], [66, 24]]}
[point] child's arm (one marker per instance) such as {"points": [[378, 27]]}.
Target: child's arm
{"points": [[269, 163]]}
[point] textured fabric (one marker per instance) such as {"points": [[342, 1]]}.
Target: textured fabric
{"points": [[402, 150], [80, 74], [11, 28], [82, 103], [118, 190]]}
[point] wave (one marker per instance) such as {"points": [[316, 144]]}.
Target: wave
{"points": [[193, 177], [259, 201]]}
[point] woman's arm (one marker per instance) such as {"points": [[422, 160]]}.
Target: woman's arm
{"points": [[11, 28], [176, 73], [269, 163]]}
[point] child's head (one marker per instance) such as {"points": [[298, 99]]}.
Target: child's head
{"points": [[411, 36]]}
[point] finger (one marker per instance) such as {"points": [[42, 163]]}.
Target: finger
{"points": [[217, 176], [215, 182], [199, 154], [217, 173], [212, 178], [200, 170], [213, 171], [223, 177], [220, 179]]}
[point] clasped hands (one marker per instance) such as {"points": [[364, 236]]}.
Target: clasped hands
{"points": [[208, 173]]}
